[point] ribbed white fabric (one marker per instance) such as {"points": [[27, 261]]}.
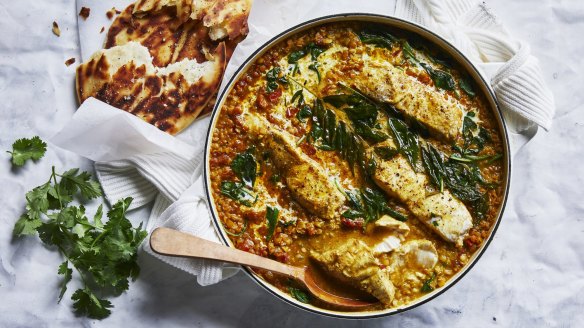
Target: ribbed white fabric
{"points": [[515, 74], [169, 172]]}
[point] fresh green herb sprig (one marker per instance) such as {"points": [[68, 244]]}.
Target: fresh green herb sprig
{"points": [[103, 254], [25, 149]]}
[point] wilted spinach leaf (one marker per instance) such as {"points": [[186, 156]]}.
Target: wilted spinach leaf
{"points": [[407, 141], [244, 166], [273, 78], [377, 37], [272, 219], [441, 79]]}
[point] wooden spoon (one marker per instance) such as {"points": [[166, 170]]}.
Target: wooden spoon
{"points": [[175, 243]]}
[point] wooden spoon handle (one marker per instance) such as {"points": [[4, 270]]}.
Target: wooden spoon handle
{"points": [[166, 241]]}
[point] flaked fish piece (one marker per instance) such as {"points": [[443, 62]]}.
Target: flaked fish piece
{"points": [[442, 212], [305, 178], [386, 83], [398, 231], [353, 262], [414, 254]]}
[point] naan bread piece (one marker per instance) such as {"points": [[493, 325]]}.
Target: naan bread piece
{"points": [[224, 18], [170, 97], [167, 39], [183, 8]]}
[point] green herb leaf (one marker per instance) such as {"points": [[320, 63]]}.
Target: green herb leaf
{"points": [[25, 149], [377, 37], [466, 85], [272, 220], [26, 226], [71, 181], [299, 294], [295, 56], [427, 286], [407, 141], [386, 152], [304, 113], [245, 166], [298, 95], [67, 276], [273, 78], [441, 79], [368, 133], [87, 304], [238, 192], [409, 53]]}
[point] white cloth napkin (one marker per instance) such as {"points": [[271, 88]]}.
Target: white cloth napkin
{"points": [[135, 159]]}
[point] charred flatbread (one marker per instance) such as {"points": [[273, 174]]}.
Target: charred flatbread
{"points": [[151, 50], [168, 97]]}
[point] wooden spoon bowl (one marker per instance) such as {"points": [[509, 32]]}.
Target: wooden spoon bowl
{"points": [[170, 242]]}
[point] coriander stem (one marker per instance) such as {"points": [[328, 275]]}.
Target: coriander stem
{"points": [[54, 177]]}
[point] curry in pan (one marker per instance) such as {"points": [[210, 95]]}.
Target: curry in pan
{"points": [[362, 152]]}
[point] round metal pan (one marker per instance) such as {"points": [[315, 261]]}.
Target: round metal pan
{"points": [[431, 38]]}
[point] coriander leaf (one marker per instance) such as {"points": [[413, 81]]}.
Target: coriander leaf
{"points": [[25, 149], [299, 294], [245, 166], [37, 201], [51, 234], [71, 181], [87, 304], [26, 226], [441, 79], [238, 192], [406, 141], [68, 274], [97, 217], [272, 219]]}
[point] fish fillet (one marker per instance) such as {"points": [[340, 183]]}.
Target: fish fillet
{"points": [[353, 262], [305, 178], [384, 82]]}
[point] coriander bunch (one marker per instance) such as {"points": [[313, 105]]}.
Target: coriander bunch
{"points": [[104, 255]]}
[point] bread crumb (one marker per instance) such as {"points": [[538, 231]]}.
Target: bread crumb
{"points": [[102, 29], [56, 30], [70, 61], [110, 13], [84, 12]]}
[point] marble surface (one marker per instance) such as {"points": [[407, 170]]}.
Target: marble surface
{"points": [[532, 275]]}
